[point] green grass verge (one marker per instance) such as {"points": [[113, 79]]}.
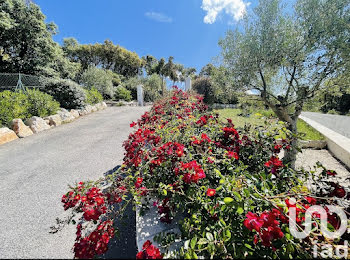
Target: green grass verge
{"points": [[267, 118], [310, 133]]}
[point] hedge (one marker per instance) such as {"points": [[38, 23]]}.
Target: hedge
{"points": [[229, 185]]}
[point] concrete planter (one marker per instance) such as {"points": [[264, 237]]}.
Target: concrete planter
{"points": [[337, 144], [148, 226], [313, 144]]}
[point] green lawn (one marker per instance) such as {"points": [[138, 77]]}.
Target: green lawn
{"points": [[259, 118]]}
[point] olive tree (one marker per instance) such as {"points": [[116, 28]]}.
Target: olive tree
{"points": [[288, 56]]}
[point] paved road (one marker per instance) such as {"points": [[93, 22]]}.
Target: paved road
{"points": [[337, 123], [35, 171]]}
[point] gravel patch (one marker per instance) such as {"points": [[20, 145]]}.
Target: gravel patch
{"points": [[308, 158]]}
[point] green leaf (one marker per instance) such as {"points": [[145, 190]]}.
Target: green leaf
{"points": [[290, 248], [238, 196], [217, 172], [240, 210], [228, 234], [222, 222], [248, 246], [228, 200], [246, 192], [209, 236], [193, 242], [202, 241], [186, 245]]}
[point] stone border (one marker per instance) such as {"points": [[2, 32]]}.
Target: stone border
{"points": [[338, 144], [37, 124]]}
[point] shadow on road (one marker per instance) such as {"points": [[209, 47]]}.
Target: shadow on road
{"points": [[123, 246]]}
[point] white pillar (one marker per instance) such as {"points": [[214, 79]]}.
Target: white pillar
{"points": [[140, 95], [188, 84]]}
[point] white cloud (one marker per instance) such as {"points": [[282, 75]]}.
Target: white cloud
{"points": [[234, 8], [159, 17]]}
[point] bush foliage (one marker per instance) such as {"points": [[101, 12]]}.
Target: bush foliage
{"points": [[93, 96], [122, 93], [228, 185], [69, 94], [25, 105], [152, 87], [100, 79], [214, 91], [12, 105], [41, 104]]}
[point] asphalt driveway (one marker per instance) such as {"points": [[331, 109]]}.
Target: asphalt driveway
{"points": [[35, 171], [337, 123]]}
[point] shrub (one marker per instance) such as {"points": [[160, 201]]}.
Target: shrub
{"points": [[334, 103], [229, 185], [204, 86], [116, 78], [100, 79], [41, 104], [68, 93], [13, 105], [152, 88], [251, 102], [131, 85], [122, 93], [213, 91], [25, 105], [93, 96]]}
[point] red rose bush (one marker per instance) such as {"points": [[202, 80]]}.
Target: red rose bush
{"points": [[230, 186]]}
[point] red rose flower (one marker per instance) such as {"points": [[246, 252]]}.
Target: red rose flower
{"points": [[138, 182], [253, 222], [211, 192], [149, 251]]}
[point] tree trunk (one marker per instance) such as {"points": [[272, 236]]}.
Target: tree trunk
{"points": [[282, 114], [290, 156]]}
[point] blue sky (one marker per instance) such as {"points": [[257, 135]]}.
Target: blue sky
{"points": [[189, 30]]}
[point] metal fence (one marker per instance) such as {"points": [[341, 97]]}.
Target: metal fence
{"points": [[19, 81]]}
